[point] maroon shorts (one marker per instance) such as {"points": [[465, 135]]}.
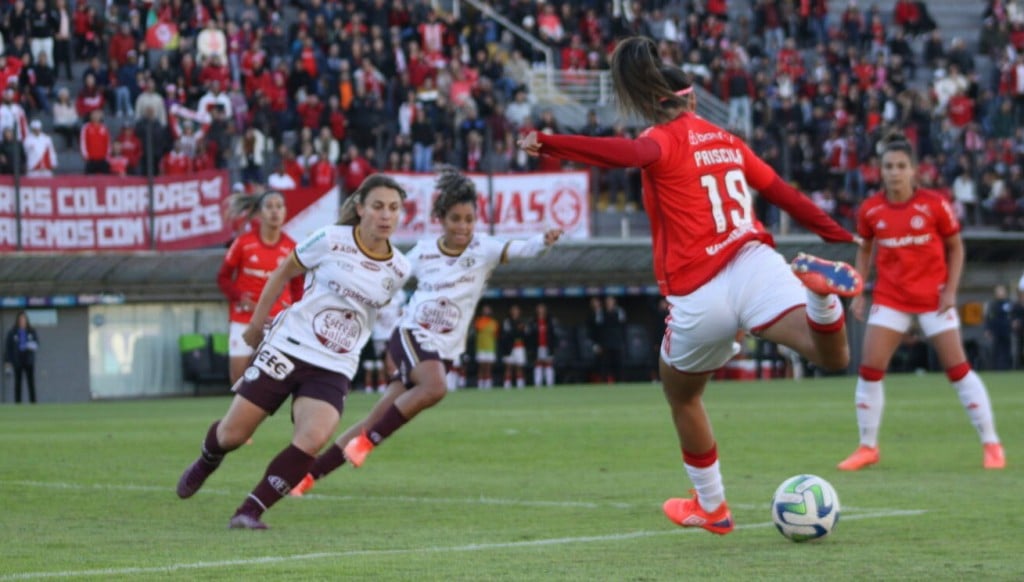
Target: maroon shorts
{"points": [[273, 376], [407, 352]]}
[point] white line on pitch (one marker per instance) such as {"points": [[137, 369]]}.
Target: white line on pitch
{"points": [[390, 499], [428, 550]]}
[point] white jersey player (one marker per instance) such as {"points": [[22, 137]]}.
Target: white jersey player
{"points": [[451, 273], [311, 351]]}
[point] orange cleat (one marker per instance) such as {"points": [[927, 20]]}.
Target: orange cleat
{"points": [[357, 449], [689, 513], [827, 277], [860, 458], [994, 457], [303, 486]]}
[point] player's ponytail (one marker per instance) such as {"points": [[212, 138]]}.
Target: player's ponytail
{"points": [[246, 206], [644, 85]]}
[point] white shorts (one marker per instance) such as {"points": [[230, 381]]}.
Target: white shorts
{"points": [[237, 348], [485, 357], [543, 354], [517, 357], [932, 323], [752, 292]]}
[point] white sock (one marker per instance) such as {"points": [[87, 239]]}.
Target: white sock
{"points": [[538, 375], [823, 309], [974, 397], [870, 399], [708, 483], [549, 375]]}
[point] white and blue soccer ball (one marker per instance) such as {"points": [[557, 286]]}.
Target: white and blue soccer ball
{"points": [[805, 507]]}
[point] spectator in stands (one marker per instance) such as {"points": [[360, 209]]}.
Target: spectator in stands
{"points": [[318, 369], [247, 266], [249, 153], [94, 141], [65, 117], [705, 289], [12, 154], [62, 38], [176, 162], [117, 162], [281, 179], [127, 89], [40, 155], [913, 282], [433, 328], [12, 115], [354, 168], [90, 98], [519, 109], [155, 140]]}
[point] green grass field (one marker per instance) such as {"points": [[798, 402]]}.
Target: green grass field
{"points": [[562, 484]]}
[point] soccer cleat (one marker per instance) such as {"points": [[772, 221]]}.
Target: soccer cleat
{"points": [[826, 277], [994, 457], [860, 458], [357, 449], [689, 513], [193, 478], [303, 486], [246, 521]]}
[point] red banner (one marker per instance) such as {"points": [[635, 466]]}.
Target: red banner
{"points": [[103, 213]]}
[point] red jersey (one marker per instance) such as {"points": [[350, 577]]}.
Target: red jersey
{"points": [[910, 250], [246, 268], [698, 183]]}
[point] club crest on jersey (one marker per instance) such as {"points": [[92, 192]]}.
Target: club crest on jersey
{"points": [[388, 284], [337, 329], [467, 262], [917, 222]]}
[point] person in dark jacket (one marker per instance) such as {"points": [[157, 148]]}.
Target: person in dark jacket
{"points": [[20, 355]]}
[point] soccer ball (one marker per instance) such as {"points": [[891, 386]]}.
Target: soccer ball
{"points": [[805, 507]]}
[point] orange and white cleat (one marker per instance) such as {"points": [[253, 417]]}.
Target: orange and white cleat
{"points": [[826, 277], [303, 486], [862, 457], [994, 457], [689, 513], [357, 449]]}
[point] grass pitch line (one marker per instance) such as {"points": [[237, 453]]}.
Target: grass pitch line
{"points": [[174, 568], [394, 499]]}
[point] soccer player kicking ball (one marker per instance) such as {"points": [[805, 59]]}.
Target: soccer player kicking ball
{"points": [[713, 260]]}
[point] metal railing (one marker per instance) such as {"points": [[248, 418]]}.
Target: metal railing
{"points": [[589, 89]]}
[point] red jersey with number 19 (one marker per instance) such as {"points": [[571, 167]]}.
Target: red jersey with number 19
{"points": [[698, 183], [910, 250]]}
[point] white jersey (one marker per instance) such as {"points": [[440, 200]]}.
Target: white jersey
{"points": [[40, 156], [345, 288], [449, 286], [388, 316]]}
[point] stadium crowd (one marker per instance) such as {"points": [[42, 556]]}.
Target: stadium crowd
{"points": [[320, 92]]}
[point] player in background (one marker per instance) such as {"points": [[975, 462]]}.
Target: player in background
{"points": [[513, 341], [311, 351], [486, 347], [713, 259], [376, 372], [451, 272], [912, 237], [247, 266], [545, 341]]}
